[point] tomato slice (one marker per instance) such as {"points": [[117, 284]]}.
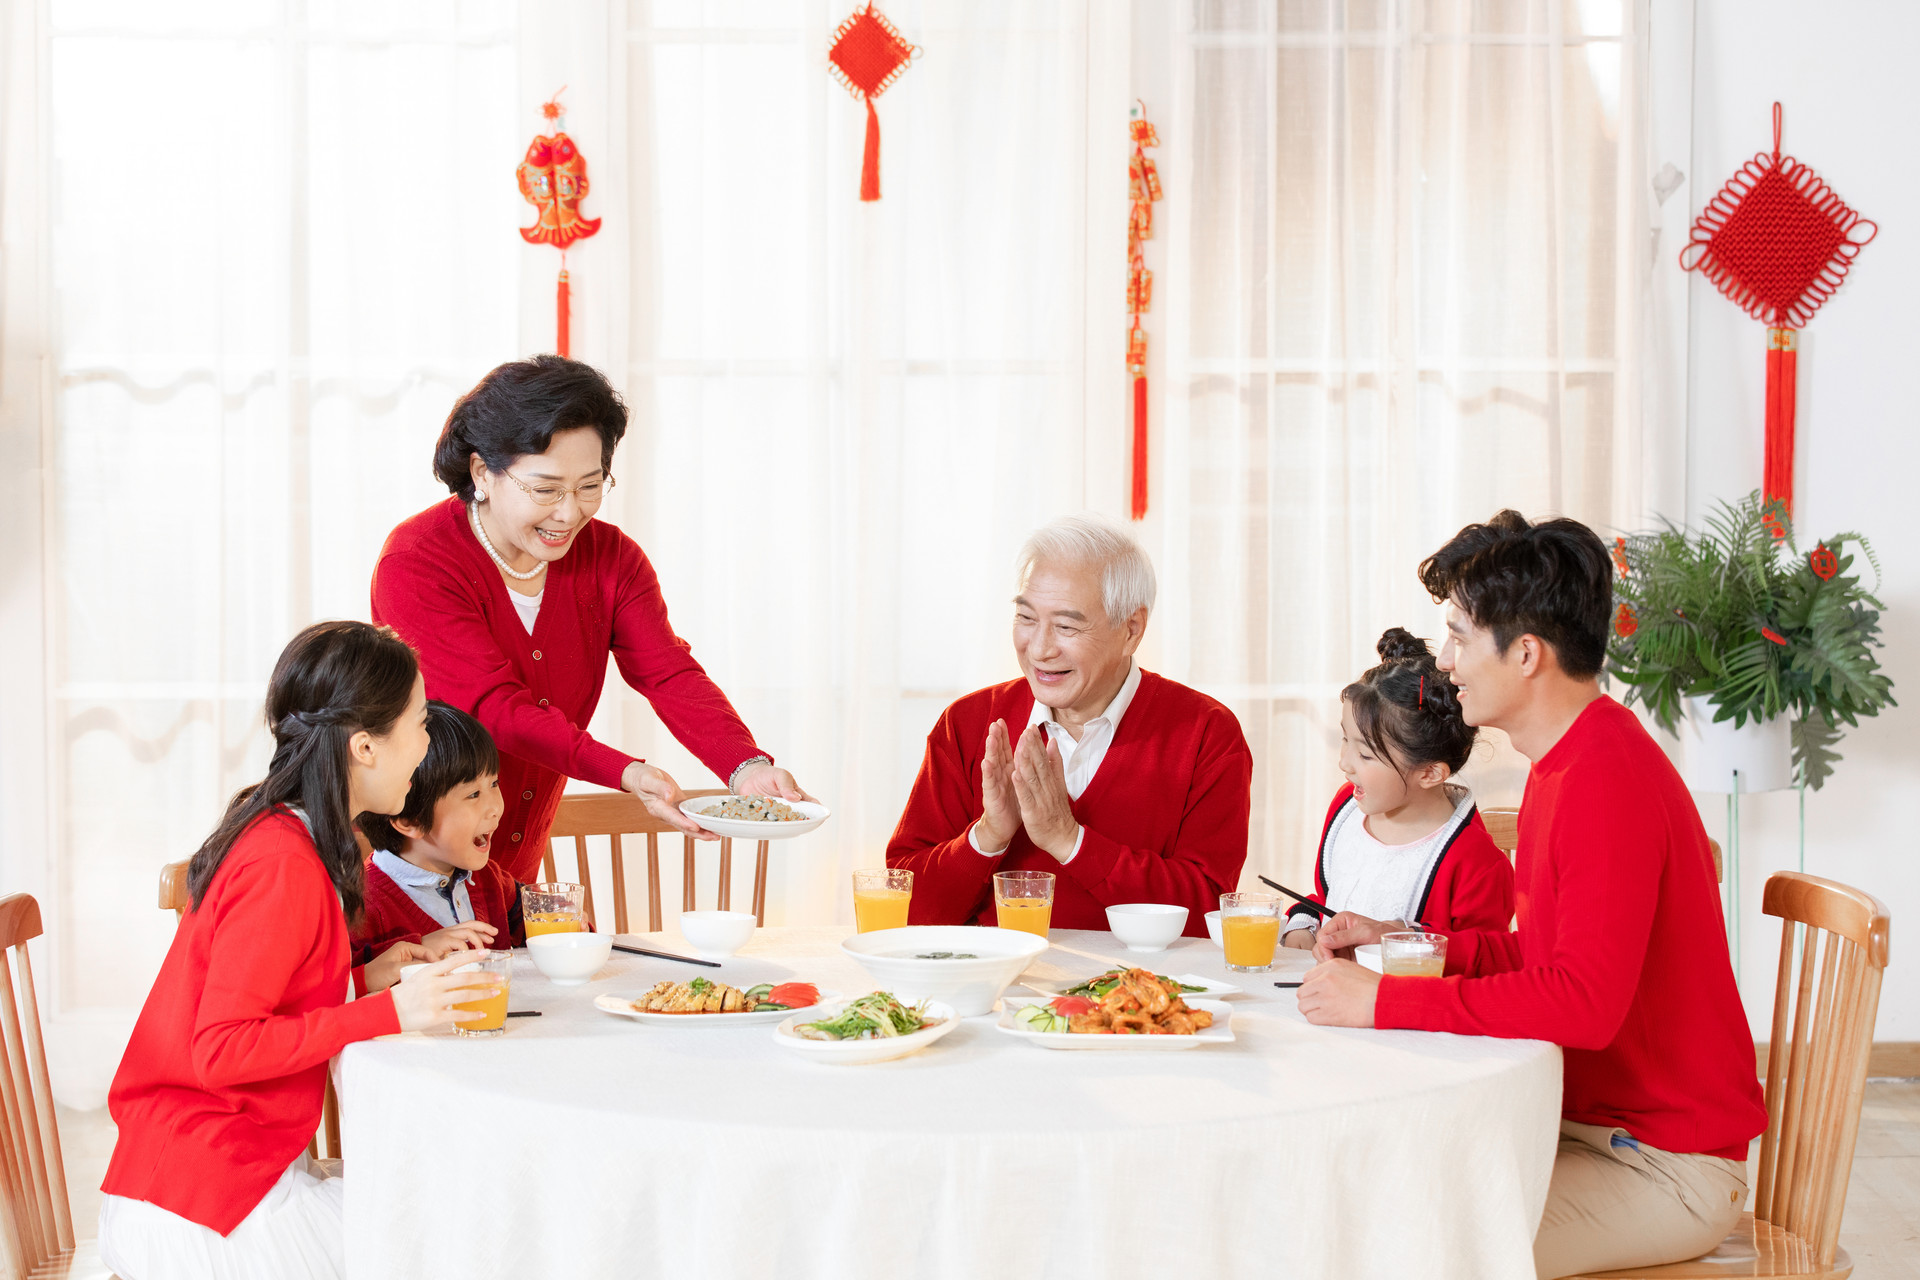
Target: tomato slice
{"points": [[795, 995], [1070, 1005]]}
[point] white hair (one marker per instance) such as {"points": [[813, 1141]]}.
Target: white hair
{"points": [[1126, 575]]}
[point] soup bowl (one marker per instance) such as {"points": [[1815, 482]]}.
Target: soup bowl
{"points": [[979, 963], [569, 959], [1146, 926], [716, 935]]}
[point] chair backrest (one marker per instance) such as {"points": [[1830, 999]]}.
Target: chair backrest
{"points": [[1817, 1079], [37, 1224], [1503, 825], [619, 813], [174, 895]]}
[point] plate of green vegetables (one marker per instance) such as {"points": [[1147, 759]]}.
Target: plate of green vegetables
{"points": [[876, 1027]]}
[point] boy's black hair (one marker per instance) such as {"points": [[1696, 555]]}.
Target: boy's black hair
{"points": [[1513, 577], [458, 751], [1406, 709]]}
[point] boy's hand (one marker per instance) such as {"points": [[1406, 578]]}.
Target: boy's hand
{"points": [[1340, 935], [1339, 993], [474, 935], [384, 969]]}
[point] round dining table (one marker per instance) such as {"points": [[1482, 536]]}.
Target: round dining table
{"points": [[583, 1144]]}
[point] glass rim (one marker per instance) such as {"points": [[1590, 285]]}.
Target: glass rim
{"points": [[884, 872], [1251, 898], [1416, 937], [553, 887], [1025, 877]]}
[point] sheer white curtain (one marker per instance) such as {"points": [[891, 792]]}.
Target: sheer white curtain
{"points": [[1403, 258]]}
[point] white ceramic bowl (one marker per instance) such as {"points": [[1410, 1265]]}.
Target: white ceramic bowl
{"points": [[1146, 926], [853, 1053], [1213, 928], [569, 959], [1369, 956], [716, 935], [890, 957]]}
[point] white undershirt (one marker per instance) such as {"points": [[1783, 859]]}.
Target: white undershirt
{"points": [[528, 607], [1382, 881], [1079, 760]]}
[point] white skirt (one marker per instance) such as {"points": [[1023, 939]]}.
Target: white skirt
{"points": [[294, 1233]]}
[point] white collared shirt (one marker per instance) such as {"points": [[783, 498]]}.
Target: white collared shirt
{"points": [[444, 898], [1079, 760]]}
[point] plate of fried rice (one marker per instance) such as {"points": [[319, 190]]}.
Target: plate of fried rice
{"points": [[755, 817]]}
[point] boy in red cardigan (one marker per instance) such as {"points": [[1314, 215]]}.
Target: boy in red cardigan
{"points": [[1620, 955], [430, 879]]}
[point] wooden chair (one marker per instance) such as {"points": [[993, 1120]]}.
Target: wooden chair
{"points": [[1816, 1082], [36, 1229], [1503, 825], [618, 813], [175, 897]]}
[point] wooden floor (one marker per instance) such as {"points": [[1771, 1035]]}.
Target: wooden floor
{"points": [[1881, 1231]]}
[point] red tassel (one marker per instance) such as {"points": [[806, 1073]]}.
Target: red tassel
{"points": [[562, 305], [1782, 391], [870, 162], [1139, 448]]}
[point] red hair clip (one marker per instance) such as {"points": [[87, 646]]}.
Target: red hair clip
{"points": [[1423, 690]]}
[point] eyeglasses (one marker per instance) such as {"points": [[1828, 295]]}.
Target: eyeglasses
{"points": [[552, 495]]}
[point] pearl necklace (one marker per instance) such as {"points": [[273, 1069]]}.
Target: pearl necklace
{"points": [[473, 516]]}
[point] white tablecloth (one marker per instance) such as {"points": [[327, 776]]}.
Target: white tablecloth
{"points": [[585, 1145]]}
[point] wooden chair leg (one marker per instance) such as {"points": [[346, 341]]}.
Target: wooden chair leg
{"points": [[726, 874], [330, 1119], [585, 873], [619, 887], [760, 885], [653, 882], [686, 876]]}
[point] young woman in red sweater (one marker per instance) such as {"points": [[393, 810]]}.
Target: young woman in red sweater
{"points": [[220, 1087], [1620, 955], [1402, 842], [431, 878]]}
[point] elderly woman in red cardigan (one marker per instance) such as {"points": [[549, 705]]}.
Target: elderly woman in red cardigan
{"points": [[515, 596], [1127, 786]]}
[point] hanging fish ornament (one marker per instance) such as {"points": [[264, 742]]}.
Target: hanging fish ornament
{"points": [[553, 179]]}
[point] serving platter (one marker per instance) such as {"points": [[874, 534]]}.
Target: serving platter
{"points": [[745, 829], [1210, 988], [851, 1053], [1221, 1032], [623, 1008]]}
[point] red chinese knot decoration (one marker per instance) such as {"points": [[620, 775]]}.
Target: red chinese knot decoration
{"points": [[1823, 562], [867, 56], [553, 179], [1777, 241], [1143, 186]]}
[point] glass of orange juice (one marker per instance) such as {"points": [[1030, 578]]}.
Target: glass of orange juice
{"points": [[553, 908], [1249, 930], [1413, 954], [880, 899], [1023, 900], [497, 965]]}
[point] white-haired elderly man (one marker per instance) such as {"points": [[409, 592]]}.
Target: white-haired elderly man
{"points": [[1129, 787]]}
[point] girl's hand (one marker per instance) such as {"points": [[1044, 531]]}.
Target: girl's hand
{"points": [[776, 784], [662, 796], [473, 935], [422, 1001], [1298, 939], [384, 969]]}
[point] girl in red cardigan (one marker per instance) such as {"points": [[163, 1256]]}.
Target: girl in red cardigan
{"points": [[430, 879], [1401, 841], [220, 1086]]}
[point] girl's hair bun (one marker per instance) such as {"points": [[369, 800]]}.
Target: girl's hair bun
{"points": [[1398, 644]]}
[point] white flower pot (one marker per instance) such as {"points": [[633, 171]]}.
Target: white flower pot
{"points": [[1711, 752]]}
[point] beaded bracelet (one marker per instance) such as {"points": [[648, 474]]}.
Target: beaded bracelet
{"points": [[748, 763]]}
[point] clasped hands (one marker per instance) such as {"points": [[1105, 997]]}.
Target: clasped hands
{"points": [[1025, 785]]}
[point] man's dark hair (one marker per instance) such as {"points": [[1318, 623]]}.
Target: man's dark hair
{"points": [[517, 409], [1513, 578], [458, 751]]}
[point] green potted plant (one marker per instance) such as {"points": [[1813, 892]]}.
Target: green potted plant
{"points": [[1735, 625]]}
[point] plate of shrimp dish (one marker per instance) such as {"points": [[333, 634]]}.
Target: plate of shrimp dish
{"points": [[1137, 1012]]}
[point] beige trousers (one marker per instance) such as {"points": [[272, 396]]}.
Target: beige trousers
{"points": [[1614, 1206]]}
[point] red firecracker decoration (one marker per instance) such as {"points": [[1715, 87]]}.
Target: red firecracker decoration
{"points": [[1777, 241], [867, 56], [1823, 562], [553, 178], [1620, 557], [1143, 185]]}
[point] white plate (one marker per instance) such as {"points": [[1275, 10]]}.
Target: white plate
{"points": [[1221, 1032], [1211, 988], [620, 1008], [849, 1053], [741, 829]]}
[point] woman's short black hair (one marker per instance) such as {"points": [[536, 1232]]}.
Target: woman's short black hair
{"points": [[1513, 577], [459, 749], [517, 409], [1406, 709]]}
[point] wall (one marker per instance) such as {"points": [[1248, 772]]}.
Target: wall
{"points": [[1846, 83]]}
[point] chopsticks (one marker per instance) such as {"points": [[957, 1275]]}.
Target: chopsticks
{"points": [[1306, 903], [665, 955]]}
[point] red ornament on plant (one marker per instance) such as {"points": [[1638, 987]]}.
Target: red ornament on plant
{"points": [[1620, 557], [1823, 562], [867, 56], [1773, 635], [1625, 623]]}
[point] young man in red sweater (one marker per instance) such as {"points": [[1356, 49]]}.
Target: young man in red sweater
{"points": [[1620, 955], [1128, 787]]}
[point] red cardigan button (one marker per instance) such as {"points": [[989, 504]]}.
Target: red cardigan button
{"points": [[536, 655], [516, 837], [526, 795]]}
